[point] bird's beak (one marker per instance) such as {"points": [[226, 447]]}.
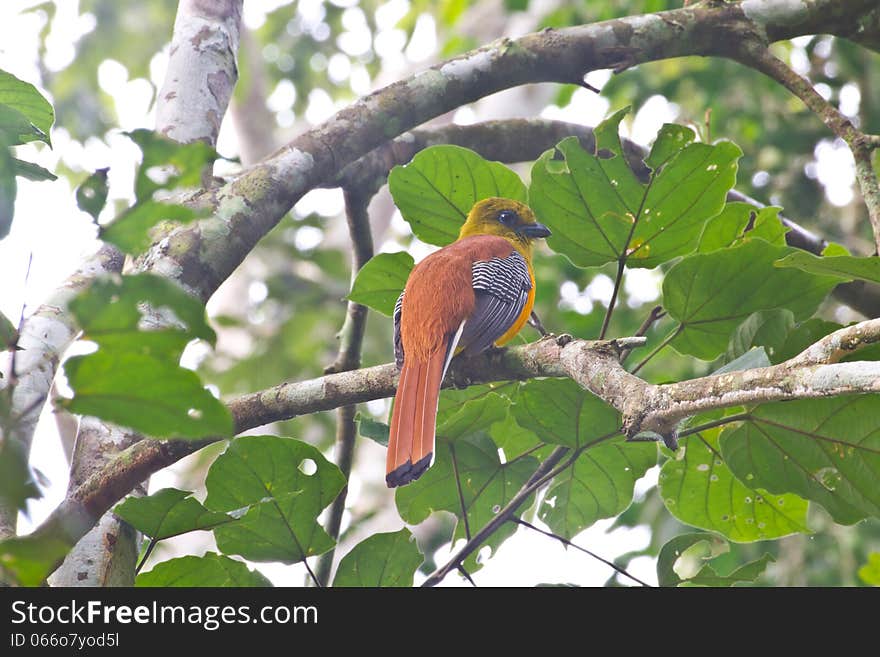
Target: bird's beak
{"points": [[534, 231]]}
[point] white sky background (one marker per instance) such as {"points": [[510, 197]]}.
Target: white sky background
{"points": [[49, 227]]}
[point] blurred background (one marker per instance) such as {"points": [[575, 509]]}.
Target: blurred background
{"points": [[101, 63]]}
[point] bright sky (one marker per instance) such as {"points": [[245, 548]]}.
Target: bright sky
{"points": [[50, 229]]}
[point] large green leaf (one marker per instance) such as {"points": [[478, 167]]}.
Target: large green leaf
{"points": [[168, 512], [155, 397], [168, 164], [683, 561], [845, 266], [600, 212], [212, 569], [286, 483], [381, 560], [381, 280], [559, 411], [825, 450], [710, 294], [700, 490], [486, 485], [21, 99], [112, 310], [132, 231], [599, 484], [437, 189], [472, 416]]}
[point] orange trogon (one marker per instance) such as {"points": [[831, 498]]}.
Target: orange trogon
{"points": [[464, 298]]}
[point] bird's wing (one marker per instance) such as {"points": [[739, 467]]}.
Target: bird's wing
{"points": [[398, 341], [501, 288]]}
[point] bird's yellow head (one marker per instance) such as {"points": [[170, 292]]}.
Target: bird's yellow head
{"points": [[506, 218]]}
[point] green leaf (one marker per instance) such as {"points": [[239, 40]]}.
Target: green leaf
{"points": [[670, 140], [168, 164], [17, 484], [474, 416], [844, 267], [870, 572], [132, 231], [439, 187], [726, 227], [711, 294], [29, 560], [112, 310], [766, 328], [370, 428], [381, 280], [32, 171], [22, 98], [559, 411], [208, 570], [515, 440], [8, 190], [683, 561], [168, 512], [700, 490], [91, 195], [286, 483], [825, 450], [137, 390], [486, 486], [599, 211], [755, 357], [381, 560], [8, 333], [767, 227], [599, 484]]}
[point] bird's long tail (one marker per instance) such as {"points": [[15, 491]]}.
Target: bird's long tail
{"points": [[413, 422]]}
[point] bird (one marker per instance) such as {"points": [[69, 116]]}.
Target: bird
{"points": [[470, 295]]}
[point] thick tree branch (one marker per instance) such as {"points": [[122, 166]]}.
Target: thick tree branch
{"points": [[201, 70], [203, 254]]}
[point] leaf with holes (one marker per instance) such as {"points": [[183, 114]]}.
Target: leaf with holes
{"points": [[155, 397], [381, 280], [600, 212], [711, 294], [91, 195], [700, 490], [168, 512], [825, 450], [845, 266], [286, 484], [559, 411], [437, 189], [384, 560], [214, 570], [683, 561], [486, 485], [112, 312], [599, 484]]}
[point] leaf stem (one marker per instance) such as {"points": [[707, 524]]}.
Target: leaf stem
{"points": [[669, 338], [621, 263]]}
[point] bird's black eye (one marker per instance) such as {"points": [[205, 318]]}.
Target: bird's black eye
{"points": [[507, 217]]}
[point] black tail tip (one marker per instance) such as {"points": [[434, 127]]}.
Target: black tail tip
{"points": [[408, 472]]}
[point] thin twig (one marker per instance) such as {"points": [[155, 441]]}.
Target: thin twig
{"points": [[351, 338], [467, 575], [568, 543], [146, 556], [657, 313], [669, 338], [621, 264], [464, 513]]}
